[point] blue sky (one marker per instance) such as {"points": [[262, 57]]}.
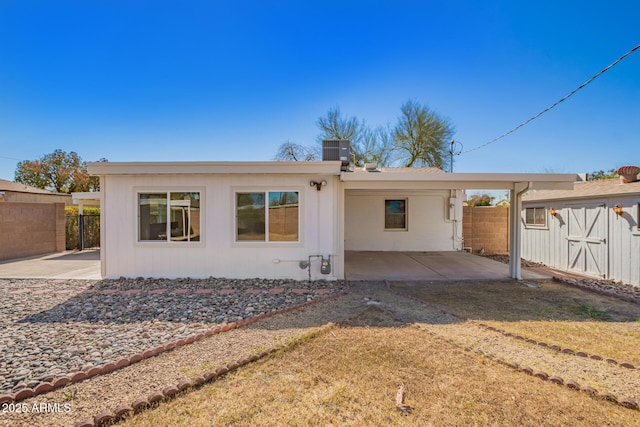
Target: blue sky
{"points": [[160, 81]]}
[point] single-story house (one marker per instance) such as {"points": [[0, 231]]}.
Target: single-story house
{"points": [[592, 229], [282, 219]]}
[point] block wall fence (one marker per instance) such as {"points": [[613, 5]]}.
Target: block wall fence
{"points": [[28, 229], [486, 229]]}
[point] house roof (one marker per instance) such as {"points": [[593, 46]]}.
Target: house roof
{"points": [[17, 187], [423, 178], [586, 190], [172, 168]]}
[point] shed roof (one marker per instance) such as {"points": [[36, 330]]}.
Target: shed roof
{"points": [[587, 190]]}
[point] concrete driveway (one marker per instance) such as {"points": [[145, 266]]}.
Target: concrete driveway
{"points": [[64, 265], [427, 266]]}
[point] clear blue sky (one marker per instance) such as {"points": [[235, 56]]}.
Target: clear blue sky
{"points": [[159, 81]]}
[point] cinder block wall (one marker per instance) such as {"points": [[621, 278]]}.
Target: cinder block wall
{"points": [[486, 228], [28, 229]]}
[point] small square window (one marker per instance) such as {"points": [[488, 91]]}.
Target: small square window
{"points": [[395, 214], [535, 217]]}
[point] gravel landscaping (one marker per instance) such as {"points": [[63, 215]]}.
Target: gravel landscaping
{"points": [[52, 328], [607, 287]]}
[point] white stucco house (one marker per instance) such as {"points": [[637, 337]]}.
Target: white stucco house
{"points": [[592, 230], [281, 219]]}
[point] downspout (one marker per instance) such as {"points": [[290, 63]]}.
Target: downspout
{"points": [[515, 240]]}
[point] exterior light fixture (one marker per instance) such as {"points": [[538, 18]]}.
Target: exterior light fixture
{"points": [[318, 184], [617, 209], [553, 212]]}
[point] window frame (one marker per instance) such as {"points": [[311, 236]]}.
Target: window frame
{"points": [[534, 224], [266, 191], [406, 214], [167, 191]]}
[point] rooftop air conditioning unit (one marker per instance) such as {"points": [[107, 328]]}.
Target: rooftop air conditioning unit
{"points": [[337, 149]]}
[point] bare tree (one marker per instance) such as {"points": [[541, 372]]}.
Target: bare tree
{"points": [[335, 126], [421, 136], [292, 152], [376, 146]]}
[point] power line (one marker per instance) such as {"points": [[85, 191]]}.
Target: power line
{"points": [[555, 103]]}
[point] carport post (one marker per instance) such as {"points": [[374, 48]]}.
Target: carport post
{"points": [[515, 235]]}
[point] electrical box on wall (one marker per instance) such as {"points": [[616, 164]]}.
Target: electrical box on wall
{"points": [[455, 209]]}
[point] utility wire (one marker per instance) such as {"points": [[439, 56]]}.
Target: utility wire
{"points": [[555, 103]]}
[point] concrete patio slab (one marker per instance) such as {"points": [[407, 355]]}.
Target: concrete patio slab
{"points": [[65, 265], [427, 266]]}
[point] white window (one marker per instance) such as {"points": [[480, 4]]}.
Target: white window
{"points": [[268, 216], [536, 217], [169, 217], [395, 214]]}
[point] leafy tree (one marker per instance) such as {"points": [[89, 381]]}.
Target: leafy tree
{"points": [[59, 171], [480, 200], [292, 152], [421, 136], [600, 175]]}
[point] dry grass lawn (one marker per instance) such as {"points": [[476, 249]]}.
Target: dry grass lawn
{"points": [[554, 313], [349, 374]]}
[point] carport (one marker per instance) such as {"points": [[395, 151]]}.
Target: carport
{"points": [[427, 266], [433, 264]]}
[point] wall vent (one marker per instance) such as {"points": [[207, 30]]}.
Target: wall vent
{"points": [[337, 149]]}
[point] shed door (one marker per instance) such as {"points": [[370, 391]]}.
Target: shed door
{"points": [[587, 241]]}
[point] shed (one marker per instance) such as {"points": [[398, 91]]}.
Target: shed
{"points": [[591, 230]]}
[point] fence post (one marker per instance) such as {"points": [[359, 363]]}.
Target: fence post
{"points": [[80, 227]]}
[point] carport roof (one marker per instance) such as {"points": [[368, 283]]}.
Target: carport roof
{"points": [[433, 178]]}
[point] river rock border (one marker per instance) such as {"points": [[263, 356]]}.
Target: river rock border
{"points": [[625, 402], [185, 385]]}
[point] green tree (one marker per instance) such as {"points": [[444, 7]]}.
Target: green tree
{"points": [[600, 175], [480, 200], [421, 136], [59, 171]]}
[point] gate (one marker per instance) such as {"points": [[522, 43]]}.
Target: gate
{"points": [[83, 231], [587, 231]]}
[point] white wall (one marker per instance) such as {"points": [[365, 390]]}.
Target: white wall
{"points": [[218, 254], [429, 228]]}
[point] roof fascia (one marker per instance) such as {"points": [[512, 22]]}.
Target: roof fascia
{"points": [[179, 168], [488, 181]]}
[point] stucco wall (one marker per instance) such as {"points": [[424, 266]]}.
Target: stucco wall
{"points": [[28, 229], [218, 254], [486, 228], [428, 229]]}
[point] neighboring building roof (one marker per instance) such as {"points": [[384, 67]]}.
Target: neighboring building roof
{"points": [[17, 187], [584, 190]]}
